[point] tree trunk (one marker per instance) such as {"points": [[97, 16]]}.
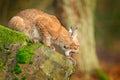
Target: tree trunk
{"points": [[80, 13]]}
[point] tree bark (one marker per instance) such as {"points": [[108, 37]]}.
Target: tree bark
{"points": [[80, 13]]}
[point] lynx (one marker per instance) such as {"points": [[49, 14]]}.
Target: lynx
{"points": [[40, 26]]}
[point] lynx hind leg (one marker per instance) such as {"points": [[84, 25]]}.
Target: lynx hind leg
{"points": [[17, 23]]}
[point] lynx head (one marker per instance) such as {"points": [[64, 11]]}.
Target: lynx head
{"points": [[73, 47]]}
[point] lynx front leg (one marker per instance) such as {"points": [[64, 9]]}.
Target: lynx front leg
{"points": [[35, 37], [46, 39], [69, 55], [72, 59], [45, 36]]}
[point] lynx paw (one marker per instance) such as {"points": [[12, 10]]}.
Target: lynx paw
{"points": [[73, 60], [52, 47], [35, 40], [69, 55]]}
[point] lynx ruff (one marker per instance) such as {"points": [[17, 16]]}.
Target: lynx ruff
{"points": [[40, 26]]}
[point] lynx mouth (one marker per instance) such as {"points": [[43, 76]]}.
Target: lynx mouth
{"points": [[71, 53]]}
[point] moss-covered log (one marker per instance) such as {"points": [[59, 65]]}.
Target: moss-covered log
{"points": [[30, 61]]}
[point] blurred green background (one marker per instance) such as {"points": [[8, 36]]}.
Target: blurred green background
{"points": [[107, 29]]}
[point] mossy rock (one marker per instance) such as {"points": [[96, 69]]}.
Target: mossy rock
{"points": [[46, 64], [8, 36], [31, 61]]}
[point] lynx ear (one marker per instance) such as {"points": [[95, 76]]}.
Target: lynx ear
{"points": [[70, 30], [75, 33]]}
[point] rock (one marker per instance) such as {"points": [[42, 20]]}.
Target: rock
{"points": [[31, 61]]}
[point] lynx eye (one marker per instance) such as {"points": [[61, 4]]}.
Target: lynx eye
{"points": [[66, 47]]}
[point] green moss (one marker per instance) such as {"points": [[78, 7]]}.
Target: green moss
{"points": [[25, 53], [1, 78], [9, 52], [31, 62], [24, 56], [1, 49], [1, 64], [8, 36], [15, 78], [23, 78], [17, 69], [71, 73], [101, 75], [49, 78]]}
